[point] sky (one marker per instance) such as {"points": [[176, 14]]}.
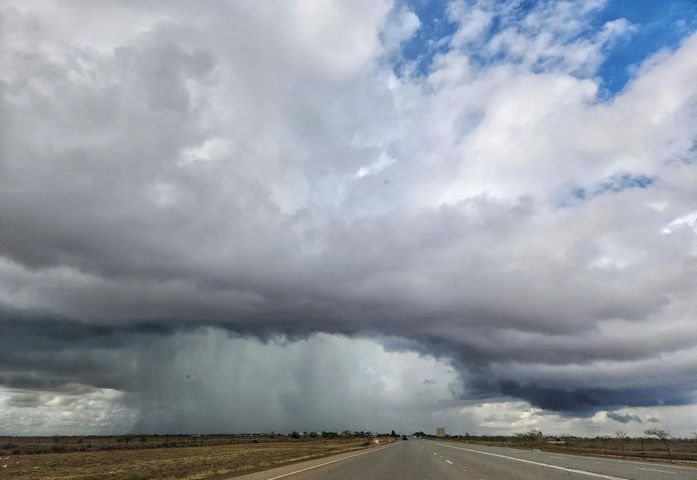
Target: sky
{"points": [[371, 215]]}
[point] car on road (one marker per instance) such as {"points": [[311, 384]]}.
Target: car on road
{"points": [[404, 437]]}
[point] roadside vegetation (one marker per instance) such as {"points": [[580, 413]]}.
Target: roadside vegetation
{"points": [[188, 457], [655, 444]]}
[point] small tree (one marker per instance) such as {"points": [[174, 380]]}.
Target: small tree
{"points": [[621, 436], [393, 434], [531, 437], [661, 434], [535, 436]]}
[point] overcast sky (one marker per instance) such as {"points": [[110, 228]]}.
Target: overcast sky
{"points": [[256, 216]]}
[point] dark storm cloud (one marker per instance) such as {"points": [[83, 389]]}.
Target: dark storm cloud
{"points": [[625, 418], [24, 400], [201, 170], [589, 400]]}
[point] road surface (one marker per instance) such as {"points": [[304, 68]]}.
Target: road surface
{"points": [[433, 460]]}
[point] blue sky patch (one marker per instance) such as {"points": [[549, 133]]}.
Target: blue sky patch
{"points": [[658, 25], [614, 184], [428, 40]]}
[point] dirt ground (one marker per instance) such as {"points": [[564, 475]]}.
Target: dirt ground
{"points": [[201, 462]]}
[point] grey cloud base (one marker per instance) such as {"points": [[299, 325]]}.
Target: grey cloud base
{"points": [[194, 170]]}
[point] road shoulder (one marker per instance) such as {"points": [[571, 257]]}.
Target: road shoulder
{"points": [[299, 467]]}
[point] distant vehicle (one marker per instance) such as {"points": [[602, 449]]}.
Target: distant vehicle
{"points": [[404, 437]]}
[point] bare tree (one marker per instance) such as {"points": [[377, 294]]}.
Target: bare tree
{"points": [[663, 435], [621, 436], [531, 437]]}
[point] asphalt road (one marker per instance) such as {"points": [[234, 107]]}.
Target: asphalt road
{"points": [[432, 460]]}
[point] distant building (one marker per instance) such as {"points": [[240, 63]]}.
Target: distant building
{"points": [[440, 432]]}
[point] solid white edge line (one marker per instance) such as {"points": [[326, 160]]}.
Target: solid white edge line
{"points": [[329, 463], [556, 467], [654, 470], [618, 460]]}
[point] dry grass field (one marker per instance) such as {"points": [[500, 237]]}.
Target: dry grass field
{"points": [[208, 461], [645, 448], [92, 443]]}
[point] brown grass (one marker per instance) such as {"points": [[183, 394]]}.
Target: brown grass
{"points": [[91, 443], [190, 463], [644, 448]]}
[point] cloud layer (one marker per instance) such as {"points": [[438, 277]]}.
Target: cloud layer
{"points": [[281, 169]]}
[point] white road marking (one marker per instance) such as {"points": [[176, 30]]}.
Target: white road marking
{"points": [[642, 463], [624, 461], [448, 461], [654, 470], [328, 463], [556, 467]]}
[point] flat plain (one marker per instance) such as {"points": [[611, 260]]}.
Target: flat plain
{"points": [[180, 461]]}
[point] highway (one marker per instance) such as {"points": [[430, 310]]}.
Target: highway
{"points": [[433, 460]]}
